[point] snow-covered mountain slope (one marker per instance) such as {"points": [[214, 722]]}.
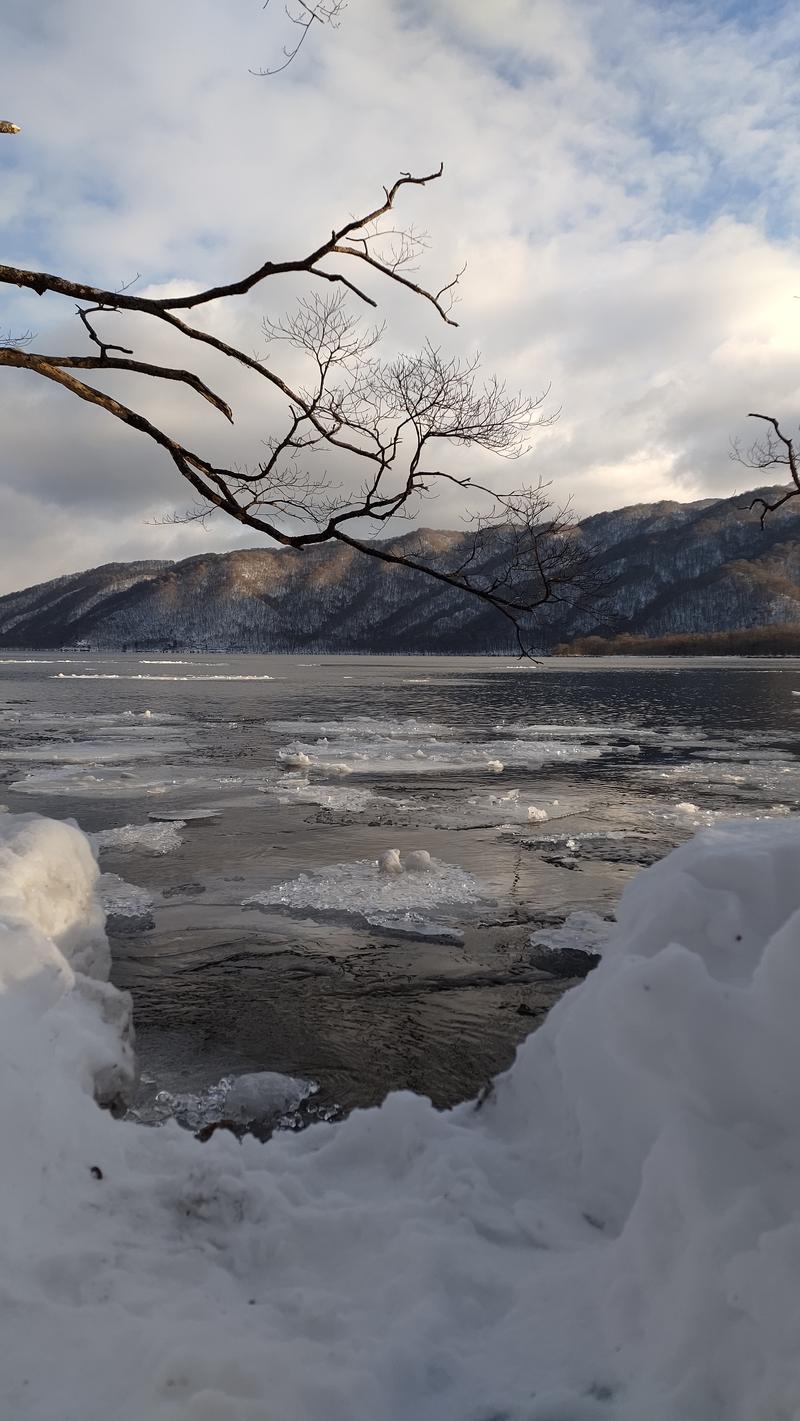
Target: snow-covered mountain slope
{"points": [[667, 567]]}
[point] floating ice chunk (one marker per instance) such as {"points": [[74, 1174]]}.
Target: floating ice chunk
{"points": [[389, 861], [297, 761], [581, 931], [263, 1095], [259, 1098], [418, 861], [496, 766], [536, 815], [124, 900], [150, 838]]}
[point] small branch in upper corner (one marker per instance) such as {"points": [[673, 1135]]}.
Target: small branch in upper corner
{"points": [[303, 16]]}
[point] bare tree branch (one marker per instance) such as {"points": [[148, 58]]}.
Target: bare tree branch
{"points": [[304, 15], [775, 450], [346, 410]]}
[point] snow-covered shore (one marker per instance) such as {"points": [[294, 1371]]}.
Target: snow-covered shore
{"points": [[614, 1234]]}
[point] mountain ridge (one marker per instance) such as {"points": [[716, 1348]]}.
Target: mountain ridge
{"points": [[669, 567]]}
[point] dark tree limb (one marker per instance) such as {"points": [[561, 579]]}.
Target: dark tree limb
{"points": [[775, 450], [382, 417]]}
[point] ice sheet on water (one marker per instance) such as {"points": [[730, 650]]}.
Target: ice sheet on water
{"points": [[401, 755], [527, 730], [338, 798], [359, 893], [107, 721], [96, 752], [160, 838], [99, 780], [778, 774], [144, 676]]}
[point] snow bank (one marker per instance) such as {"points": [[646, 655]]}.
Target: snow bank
{"points": [[614, 1235], [58, 1011]]}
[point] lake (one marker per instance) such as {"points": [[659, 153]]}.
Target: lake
{"points": [[240, 804]]}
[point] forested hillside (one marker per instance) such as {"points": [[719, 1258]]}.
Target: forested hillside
{"points": [[667, 568]]}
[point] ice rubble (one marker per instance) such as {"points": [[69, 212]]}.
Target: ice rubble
{"points": [[614, 1235]]}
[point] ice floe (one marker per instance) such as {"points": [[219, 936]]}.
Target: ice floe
{"points": [[402, 755], [380, 892]]}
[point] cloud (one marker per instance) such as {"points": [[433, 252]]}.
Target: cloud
{"points": [[619, 179]]}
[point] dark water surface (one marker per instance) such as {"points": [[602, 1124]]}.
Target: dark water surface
{"points": [[609, 750]]}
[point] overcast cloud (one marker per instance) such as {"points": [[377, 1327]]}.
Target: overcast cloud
{"points": [[621, 179]]}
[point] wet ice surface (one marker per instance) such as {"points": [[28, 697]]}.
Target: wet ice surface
{"points": [[537, 791]]}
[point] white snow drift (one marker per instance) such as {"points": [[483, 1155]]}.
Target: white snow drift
{"points": [[613, 1236]]}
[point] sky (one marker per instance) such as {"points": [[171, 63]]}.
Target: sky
{"points": [[620, 180]]}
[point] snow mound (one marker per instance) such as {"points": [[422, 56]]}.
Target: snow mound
{"points": [[614, 1234], [54, 965]]}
